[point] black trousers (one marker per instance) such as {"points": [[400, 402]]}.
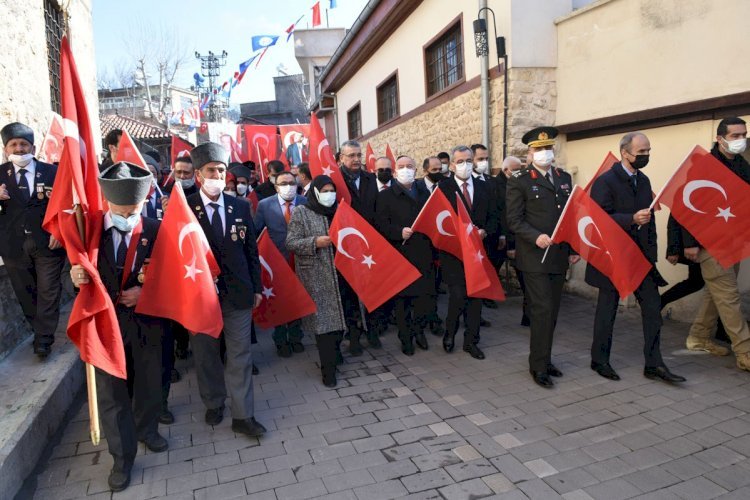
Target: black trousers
{"points": [[458, 302], [647, 295], [543, 292], [350, 304], [327, 346], [35, 278], [411, 315], [125, 420], [692, 284], [522, 284], [167, 359]]}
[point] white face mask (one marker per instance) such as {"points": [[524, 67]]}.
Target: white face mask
{"points": [[444, 168], [214, 187], [482, 167], [231, 193], [735, 147], [187, 183], [287, 193], [405, 175], [242, 189], [463, 170], [21, 160], [325, 199], [544, 158]]}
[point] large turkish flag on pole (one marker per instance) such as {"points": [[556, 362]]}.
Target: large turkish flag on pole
{"points": [[322, 161], [481, 278], [374, 269], [711, 202], [601, 242], [439, 222], [92, 325], [281, 288], [180, 275], [609, 160]]}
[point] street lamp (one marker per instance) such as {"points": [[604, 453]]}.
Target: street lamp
{"points": [[481, 46]]}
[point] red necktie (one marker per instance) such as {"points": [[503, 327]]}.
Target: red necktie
{"points": [[287, 211], [465, 189]]}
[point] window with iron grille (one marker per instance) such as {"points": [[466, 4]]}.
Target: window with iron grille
{"points": [[444, 60], [354, 119], [54, 24], [388, 100]]}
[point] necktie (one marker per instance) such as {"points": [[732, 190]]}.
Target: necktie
{"points": [[287, 211], [465, 189], [549, 178], [433, 187], [384, 187], [23, 184], [216, 221], [633, 183], [121, 255]]}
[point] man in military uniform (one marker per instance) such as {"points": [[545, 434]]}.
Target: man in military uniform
{"points": [[32, 257], [535, 200], [127, 241]]}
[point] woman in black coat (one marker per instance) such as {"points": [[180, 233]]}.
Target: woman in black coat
{"points": [[395, 211]]}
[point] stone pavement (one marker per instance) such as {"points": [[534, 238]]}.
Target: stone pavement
{"points": [[448, 426]]}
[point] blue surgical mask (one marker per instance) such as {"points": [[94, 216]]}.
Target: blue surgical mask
{"points": [[125, 224]]}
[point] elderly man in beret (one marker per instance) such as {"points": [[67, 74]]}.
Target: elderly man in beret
{"points": [[32, 257], [228, 225], [128, 237]]}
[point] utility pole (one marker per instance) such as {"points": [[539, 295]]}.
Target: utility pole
{"points": [[211, 65]]}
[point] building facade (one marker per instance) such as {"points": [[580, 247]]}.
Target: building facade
{"points": [[290, 105]]}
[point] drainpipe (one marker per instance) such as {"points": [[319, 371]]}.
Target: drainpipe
{"points": [[484, 70]]}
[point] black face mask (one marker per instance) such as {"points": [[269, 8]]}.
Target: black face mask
{"points": [[640, 161], [435, 177], [384, 176]]}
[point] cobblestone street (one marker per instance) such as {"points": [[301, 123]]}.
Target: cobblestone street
{"points": [[448, 426]]}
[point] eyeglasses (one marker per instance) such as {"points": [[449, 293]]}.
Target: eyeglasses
{"points": [[354, 155], [286, 183]]}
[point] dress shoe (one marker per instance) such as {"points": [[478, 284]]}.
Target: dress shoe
{"points": [[214, 416], [42, 350], [174, 376], [408, 347], [118, 480], [542, 379], [374, 340], [421, 341], [297, 347], [248, 426], [489, 304], [525, 321], [255, 370], [156, 443], [605, 371], [474, 351], [484, 322], [662, 372], [449, 342], [284, 350], [166, 417], [329, 380], [552, 371]]}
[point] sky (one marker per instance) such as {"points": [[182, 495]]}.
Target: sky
{"points": [[214, 25]]}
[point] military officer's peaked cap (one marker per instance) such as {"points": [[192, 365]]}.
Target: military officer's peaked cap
{"points": [[125, 183], [208, 152], [540, 137], [17, 130]]}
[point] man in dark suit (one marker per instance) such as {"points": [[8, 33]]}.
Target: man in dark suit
{"points": [[625, 193], [477, 198], [535, 200], [396, 209], [127, 241], [274, 214], [32, 257], [266, 189], [513, 164], [153, 207], [111, 145], [229, 229]]}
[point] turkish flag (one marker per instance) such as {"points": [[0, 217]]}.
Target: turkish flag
{"points": [[713, 203], [253, 199], [481, 278], [316, 14], [389, 154], [609, 160], [92, 325], [259, 138], [322, 161], [281, 288], [440, 223], [601, 242], [179, 148], [52, 145], [372, 267], [181, 272], [371, 159], [126, 151]]}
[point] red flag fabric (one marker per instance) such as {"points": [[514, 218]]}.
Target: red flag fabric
{"points": [[609, 160], [606, 245], [181, 272], [126, 151], [440, 223], [281, 287], [52, 145], [322, 161], [372, 267], [371, 159], [92, 325], [389, 154], [259, 138], [253, 199], [482, 281], [316, 14], [179, 148], [713, 203]]}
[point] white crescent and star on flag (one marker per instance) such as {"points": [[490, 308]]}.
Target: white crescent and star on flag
{"points": [[439, 220], [192, 227], [349, 231], [695, 185], [267, 291], [585, 222]]}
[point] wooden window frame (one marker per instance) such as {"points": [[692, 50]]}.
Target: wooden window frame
{"points": [[357, 106], [54, 30], [387, 80], [458, 21]]}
